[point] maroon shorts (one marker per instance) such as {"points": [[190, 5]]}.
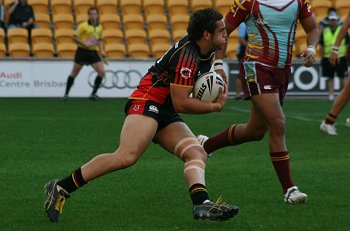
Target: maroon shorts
{"points": [[260, 79]]}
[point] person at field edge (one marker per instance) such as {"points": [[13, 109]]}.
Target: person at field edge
{"points": [[265, 71], [88, 36], [152, 115], [242, 40], [2, 16], [22, 16], [328, 125], [327, 39], [325, 21]]}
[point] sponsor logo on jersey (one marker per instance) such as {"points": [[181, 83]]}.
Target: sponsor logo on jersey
{"points": [[136, 107], [153, 108], [238, 4], [185, 72], [267, 87], [261, 21]]}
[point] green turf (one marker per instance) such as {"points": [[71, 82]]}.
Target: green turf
{"points": [[43, 139]]}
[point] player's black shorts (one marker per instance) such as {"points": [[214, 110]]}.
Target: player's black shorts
{"points": [[163, 114], [86, 57], [341, 68]]}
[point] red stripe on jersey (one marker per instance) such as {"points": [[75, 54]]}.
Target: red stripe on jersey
{"points": [[148, 90], [186, 68]]}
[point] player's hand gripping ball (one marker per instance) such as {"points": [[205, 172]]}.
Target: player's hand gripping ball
{"points": [[207, 86]]}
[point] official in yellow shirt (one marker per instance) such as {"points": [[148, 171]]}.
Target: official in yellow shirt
{"points": [[327, 40], [88, 37]]}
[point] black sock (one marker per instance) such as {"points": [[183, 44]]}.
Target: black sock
{"points": [[198, 194], [331, 119], [70, 82], [98, 81], [72, 182]]}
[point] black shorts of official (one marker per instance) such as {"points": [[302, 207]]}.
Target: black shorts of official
{"points": [[341, 68], [86, 57], [163, 114]]}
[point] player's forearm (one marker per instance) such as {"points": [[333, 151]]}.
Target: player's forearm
{"points": [[12, 8], [342, 31], [312, 37], [101, 47], [78, 40], [195, 106], [320, 49]]}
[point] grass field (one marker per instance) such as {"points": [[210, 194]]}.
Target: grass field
{"points": [[43, 139]]}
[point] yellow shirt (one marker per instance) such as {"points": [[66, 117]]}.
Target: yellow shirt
{"points": [[86, 31], [329, 38]]}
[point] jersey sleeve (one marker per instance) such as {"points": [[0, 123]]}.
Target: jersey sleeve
{"points": [[80, 30], [186, 67], [239, 11], [305, 9], [32, 15]]}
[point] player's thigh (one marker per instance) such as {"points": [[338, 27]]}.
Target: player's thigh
{"points": [[137, 133], [256, 123], [178, 139], [99, 68], [269, 107]]}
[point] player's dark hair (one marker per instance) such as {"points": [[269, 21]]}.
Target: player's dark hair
{"points": [[91, 9], [202, 20]]}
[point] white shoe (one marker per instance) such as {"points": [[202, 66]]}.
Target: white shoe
{"points": [[328, 128], [347, 122], [294, 196], [202, 139]]}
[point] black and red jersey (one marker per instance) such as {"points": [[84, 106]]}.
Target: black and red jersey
{"points": [[180, 65]]}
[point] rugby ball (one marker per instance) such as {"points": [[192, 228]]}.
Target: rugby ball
{"points": [[207, 86]]}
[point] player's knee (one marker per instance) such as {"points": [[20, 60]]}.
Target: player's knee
{"points": [[195, 155], [258, 134], [277, 126], [189, 148], [187, 145], [124, 160], [128, 161]]}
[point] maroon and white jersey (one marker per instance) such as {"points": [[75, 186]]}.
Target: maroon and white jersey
{"points": [[271, 26]]}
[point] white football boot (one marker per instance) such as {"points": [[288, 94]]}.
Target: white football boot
{"points": [[294, 196], [202, 139], [347, 122], [328, 128]]}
